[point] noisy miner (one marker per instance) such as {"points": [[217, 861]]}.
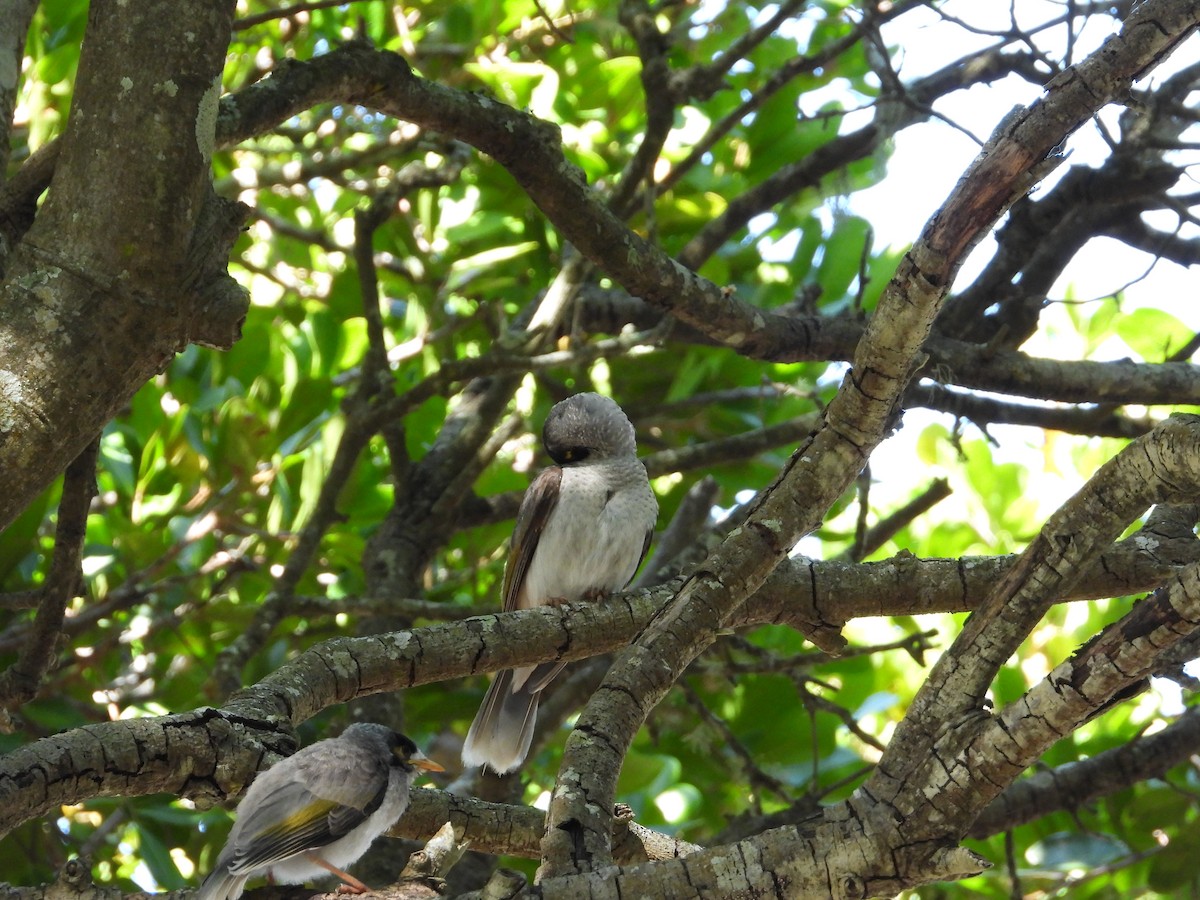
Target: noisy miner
{"points": [[317, 811], [583, 528]]}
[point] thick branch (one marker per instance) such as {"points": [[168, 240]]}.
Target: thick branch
{"points": [[72, 767], [517, 830], [108, 261]]}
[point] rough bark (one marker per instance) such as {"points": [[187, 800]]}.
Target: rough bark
{"points": [[124, 263]]}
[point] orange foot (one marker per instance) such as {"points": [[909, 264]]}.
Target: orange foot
{"points": [[349, 885]]}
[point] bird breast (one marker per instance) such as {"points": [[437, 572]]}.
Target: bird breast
{"points": [[593, 539]]}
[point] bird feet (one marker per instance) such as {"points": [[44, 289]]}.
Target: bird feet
{"points": [[349, 885]]}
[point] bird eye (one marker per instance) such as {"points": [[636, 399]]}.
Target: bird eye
{"points": [[568, 455]]}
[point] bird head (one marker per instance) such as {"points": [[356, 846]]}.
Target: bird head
{"points": [[587, 427], [406, 755], [403, 753]]}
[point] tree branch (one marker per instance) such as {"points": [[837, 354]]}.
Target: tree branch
{"points": [[1162, 466], [110, 257], [209, 755], [1074, 785]]}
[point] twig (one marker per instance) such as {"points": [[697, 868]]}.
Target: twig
{"points": [[885, 529], [753, 773], [682, 542], [285, 12], [226, 675]]}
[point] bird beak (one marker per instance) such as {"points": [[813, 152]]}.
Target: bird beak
{"points": [[421, 761]]}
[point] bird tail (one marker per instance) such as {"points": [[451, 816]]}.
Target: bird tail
{"points": [[503, 728], [221, 885]]}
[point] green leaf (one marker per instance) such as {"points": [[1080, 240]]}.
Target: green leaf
{"points": [[842, 255], [1153, 334], [19, 540], [158, 860]]}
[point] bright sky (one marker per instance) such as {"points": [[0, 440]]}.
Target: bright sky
{"points": [[929, 158], [927, 162]]}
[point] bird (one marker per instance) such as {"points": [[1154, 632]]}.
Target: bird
{"points": [[316, 812], [582, 530]]}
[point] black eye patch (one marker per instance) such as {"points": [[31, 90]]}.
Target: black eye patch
{"points": [[572, 455]]}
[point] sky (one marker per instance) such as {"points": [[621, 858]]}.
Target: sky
{"points": [[928, 160]]}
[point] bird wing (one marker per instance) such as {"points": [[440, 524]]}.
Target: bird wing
{"points": [[536, 507], [309, 826], [645, 550], [323, 801]]}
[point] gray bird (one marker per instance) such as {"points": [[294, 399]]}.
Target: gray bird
{"points": [[582, 531], [317, 811]]}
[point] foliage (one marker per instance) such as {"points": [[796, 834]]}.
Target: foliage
{"points": [[209, 478]]}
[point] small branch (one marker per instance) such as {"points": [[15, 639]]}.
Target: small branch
{"points": [[681, 543], [373, 392], [843, 149], [660, 101], [22, 680], [133, 591], [794, 68], [1099, 421], [447, 505], [735, 449], [1074, 785], [754, 776], [18, 600], [438, 856], [702, 81], [411, 608], [19, 197], [285, 13], [887, 528], [501, 362]]}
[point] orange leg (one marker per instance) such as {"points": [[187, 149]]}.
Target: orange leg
{"points": [[350, 885]]}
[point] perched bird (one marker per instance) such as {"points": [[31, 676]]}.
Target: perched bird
{"points": [[582, 531], [317, 811]]}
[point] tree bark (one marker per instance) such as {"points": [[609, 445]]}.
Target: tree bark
{"points": [[123, 265]]}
